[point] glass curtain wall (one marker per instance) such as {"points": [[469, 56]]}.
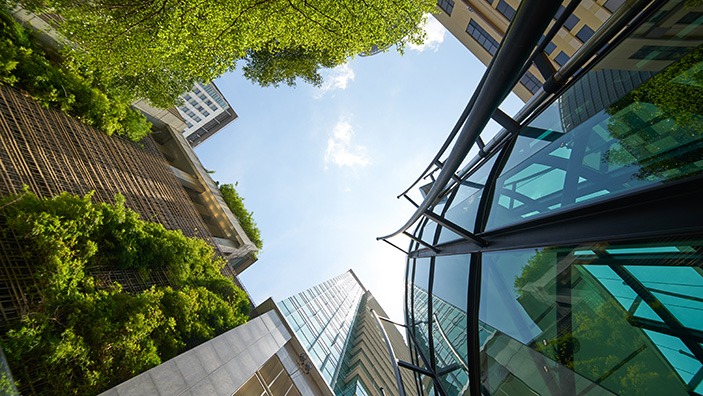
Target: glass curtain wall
{"points": [[577, 316], [322, 318]]}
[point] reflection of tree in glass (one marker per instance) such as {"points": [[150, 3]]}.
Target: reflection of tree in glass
{"points": [[656, 122], [608, 340], [537, 266], [602, 345]]}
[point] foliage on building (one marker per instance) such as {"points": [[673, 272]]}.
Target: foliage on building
{"points": [[235, 202], [74, 91], [81, 333]]}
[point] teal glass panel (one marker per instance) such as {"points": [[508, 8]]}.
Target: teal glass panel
{"points": [[579, 320], [449, 322], [624, 125], [420, 305], [464, 207]]}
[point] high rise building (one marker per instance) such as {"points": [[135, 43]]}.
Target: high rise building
{"points": [[335, 324], [480, 26], [205, 111], [565, 258]]}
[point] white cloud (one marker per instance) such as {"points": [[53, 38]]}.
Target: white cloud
{"points": [[336, 78], [434, 35], [340, 149]]}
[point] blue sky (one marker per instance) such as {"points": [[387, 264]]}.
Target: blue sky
{"points": [[321, 167]]}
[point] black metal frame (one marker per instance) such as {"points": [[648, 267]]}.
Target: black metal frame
{"points": [[672, 209]]}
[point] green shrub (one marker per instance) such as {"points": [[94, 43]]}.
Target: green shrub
{"points": [[246, 218], [82, 337]]}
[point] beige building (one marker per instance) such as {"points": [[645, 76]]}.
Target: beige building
{"points": [[481, 24]]}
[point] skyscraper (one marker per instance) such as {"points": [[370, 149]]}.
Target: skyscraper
{"points": [[334, 324], [565, 258]]}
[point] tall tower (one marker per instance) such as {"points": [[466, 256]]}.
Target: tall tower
{"points": [[334, 323]]}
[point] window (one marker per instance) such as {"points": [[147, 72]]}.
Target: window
{"points": [[609, 298], [506, 10], [612, 5], [482, 37], [549, 48], [689, 18], [464, 205], [559, 12], [585, 33], [571, 22], [446, 5], [657, 52], [614, 143], [530, 82], [449, 299], [562, 58]]}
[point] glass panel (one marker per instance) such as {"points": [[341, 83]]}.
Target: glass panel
{"points": [[420, 305], [428, 232], [464, 206], [626, 124], [599, 319], [449, 304]]}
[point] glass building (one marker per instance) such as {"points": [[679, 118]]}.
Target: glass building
{"points": [[334, 322], [566, 257], [322, 318]]}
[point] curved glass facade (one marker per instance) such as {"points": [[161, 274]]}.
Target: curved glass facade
{"points": [[591, 278]]}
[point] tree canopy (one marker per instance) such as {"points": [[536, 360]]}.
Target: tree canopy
{"points": [[159, 49], [82, 334], [25, 65]]}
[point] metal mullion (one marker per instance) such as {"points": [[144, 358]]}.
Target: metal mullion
{"points": [[395, 246], [417, 369], [457, 229], [659, 327], [391, 353], [662, 210], [558, 23], [667, 317], [505, 121], [489, 188], [420, 241], [472, 324]]}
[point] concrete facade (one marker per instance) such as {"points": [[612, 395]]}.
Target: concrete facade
{"points": [[224, 364]]}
